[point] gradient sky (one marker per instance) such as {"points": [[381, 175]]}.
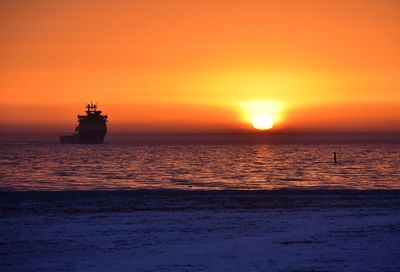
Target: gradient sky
{"points": [[198, 65]]}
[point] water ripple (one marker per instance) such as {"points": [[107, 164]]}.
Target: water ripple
{"points": [[193, 167]]}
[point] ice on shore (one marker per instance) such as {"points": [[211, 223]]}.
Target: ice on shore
{"points": [[338, 233]]}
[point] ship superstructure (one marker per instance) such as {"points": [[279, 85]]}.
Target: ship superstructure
{"points": [[91, 129]]}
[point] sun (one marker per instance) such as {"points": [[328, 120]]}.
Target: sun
{"points": [[262, 114], [263, 121]]}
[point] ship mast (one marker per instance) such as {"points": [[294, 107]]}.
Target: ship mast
{"points": [[91, 108]]}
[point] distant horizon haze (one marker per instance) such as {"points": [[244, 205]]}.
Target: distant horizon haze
{"points": [[186, 119], [227, 137]]}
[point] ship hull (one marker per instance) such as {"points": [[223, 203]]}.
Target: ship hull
{"points": [[70, 139], [91, 138], [84, 138]]}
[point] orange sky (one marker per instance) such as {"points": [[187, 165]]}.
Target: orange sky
{"points": [[193, 65]]}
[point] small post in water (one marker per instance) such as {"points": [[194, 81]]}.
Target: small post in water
{"points": [[334, 157]]}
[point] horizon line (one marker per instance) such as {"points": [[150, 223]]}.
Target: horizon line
{"points": [[246, 137]]}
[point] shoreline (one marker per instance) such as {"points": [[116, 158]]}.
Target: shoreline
{"points": [[42, 202]]}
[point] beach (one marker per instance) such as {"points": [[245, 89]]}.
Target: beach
{"points": [[174, 230]]}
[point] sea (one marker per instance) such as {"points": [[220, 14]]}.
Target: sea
{"points": [[56, 167], [199, 207]]}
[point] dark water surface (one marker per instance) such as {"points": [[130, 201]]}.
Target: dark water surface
{"points": [[25, 167]]}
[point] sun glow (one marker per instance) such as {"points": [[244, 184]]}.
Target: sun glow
{"points": [[262, 114], [263, 122]]}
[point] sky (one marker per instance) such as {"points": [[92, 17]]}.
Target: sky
{"points": [[171, 66]]}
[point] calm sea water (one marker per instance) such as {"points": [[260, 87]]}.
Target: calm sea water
{"points": [[193, 167]]}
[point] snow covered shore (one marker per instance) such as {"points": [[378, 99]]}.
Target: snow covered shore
{"points": [[200, 231]]}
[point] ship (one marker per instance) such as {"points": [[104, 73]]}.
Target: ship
{"points": [[91, 129]]}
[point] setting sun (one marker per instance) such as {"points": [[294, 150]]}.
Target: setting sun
{"points": [[262, 114], [263, 122]]}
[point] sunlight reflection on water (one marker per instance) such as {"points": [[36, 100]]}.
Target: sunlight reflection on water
{"points": [[208, 167]]}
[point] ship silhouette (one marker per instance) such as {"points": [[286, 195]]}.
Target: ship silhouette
{"points": [[91, 129]]}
